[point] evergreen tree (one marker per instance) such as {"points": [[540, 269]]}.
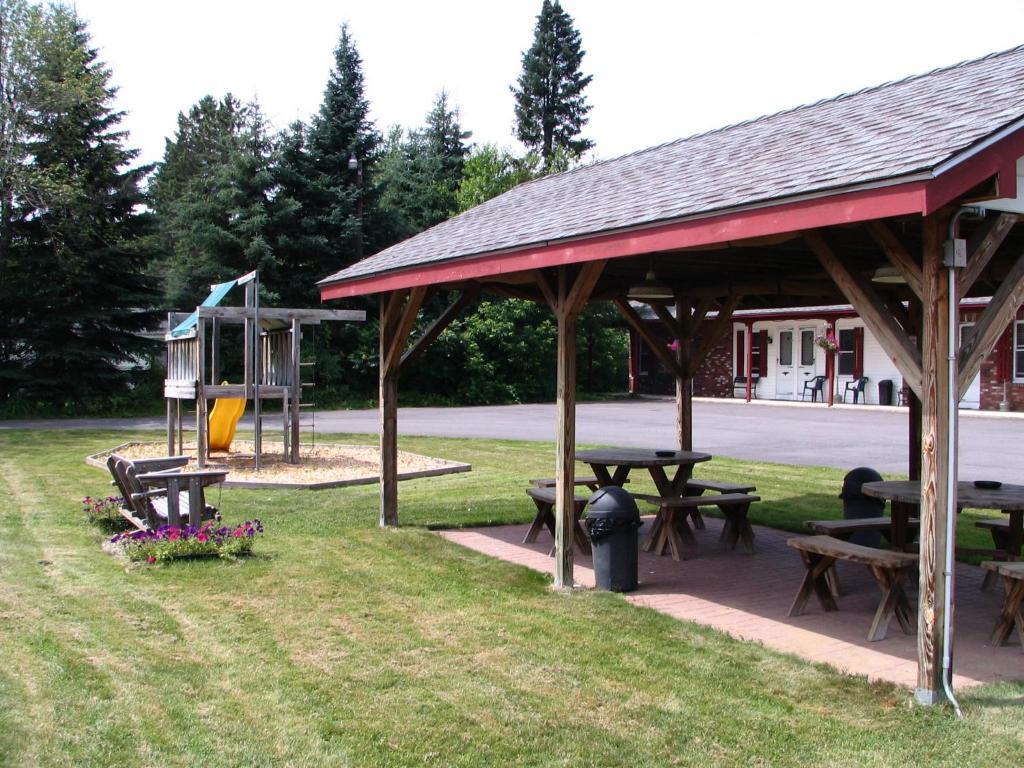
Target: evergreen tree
{"points": [[551, 108], [212, 195], [343, 146], [77, 256], [419, 173]]}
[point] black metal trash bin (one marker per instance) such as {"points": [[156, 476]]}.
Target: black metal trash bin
{"points": [[613, 520], [857, 506], [885, 392]]}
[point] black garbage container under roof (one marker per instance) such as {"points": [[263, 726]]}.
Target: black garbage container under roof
{"points": [[612, 521], [857, 506], [885, 392]]}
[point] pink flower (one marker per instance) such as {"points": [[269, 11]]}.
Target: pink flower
{"points": [[150, 559], [237, 533], [174, 535], [201, 537]]}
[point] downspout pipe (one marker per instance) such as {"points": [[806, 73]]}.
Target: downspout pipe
{"points": [[952, 262]]}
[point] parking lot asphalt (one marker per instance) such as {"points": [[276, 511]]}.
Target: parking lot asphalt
{"points": [[991, 444]]}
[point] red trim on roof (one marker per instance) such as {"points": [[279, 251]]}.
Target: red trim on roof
{"points": [[999, 159], [865, 205]]}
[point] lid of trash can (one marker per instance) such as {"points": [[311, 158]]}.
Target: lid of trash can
{"points": [[612, 502], [855, 478]]}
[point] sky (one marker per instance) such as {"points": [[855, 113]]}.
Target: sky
{"points": [[661, 70]]}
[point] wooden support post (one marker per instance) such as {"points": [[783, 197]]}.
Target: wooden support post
{"points": [[572, 295], [170, 430], [684, 390], [202, 444], [296, 398], [830, 365], [750, 357], [215, 350], [937, 429], [397, 316]]}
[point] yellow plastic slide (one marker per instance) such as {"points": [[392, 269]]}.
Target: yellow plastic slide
{"points": [[223, 420]]}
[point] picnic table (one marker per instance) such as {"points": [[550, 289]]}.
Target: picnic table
{"points": [[611, 466], [905, 496]]}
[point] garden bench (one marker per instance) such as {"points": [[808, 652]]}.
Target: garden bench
{"points": [[1012, 575], [697, 487], [889, 568], [845, 529], [155, 495], [544, 498], [670, 531]]}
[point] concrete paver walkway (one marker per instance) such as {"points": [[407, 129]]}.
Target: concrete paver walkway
{"points": [[748, 597]]}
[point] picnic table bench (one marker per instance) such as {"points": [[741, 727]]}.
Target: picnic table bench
{"points": [[670, 531], [889, 567], [545, 499], [550, 482], [695, 487], [1012, 575]]}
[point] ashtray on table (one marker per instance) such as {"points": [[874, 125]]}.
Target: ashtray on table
{"points": [[988, 485]]}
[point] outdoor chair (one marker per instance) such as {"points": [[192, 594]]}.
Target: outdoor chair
{"points": [[156, 495], [815, 386], [857, 388]]}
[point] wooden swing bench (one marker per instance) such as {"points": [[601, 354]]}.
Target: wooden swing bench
{"points": [[156, 495]]}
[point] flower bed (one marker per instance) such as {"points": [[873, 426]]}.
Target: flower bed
{"points": [[168, 542], [105, 512]]}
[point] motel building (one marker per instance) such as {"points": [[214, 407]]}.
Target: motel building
{"points": [[781, 347]]}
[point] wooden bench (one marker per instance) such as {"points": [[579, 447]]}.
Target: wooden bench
{"points": [[670, 531], [844, 529], [544, 498], [550, 482], [1012, 575], [697, 487], [889, 568], [155, 495]]}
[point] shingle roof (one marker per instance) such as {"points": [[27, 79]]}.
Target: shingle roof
{"points": [[877, 134]]}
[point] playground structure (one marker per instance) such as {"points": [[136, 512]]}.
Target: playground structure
{"points": [[271, 357]]}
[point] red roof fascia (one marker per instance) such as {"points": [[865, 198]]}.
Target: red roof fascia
{"points": [[865, 205], [999, 159]]}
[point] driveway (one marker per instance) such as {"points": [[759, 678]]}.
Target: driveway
{"points": [[790, 433]]}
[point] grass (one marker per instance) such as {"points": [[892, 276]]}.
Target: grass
{"points": [[342, 644]]}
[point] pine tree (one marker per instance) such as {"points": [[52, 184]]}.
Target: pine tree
{"points": [[419, 172], [551, 108], [212, 195], [78, 242], [340, 198]]}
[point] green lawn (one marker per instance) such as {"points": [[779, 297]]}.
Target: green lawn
{"points": [[341, 644]]}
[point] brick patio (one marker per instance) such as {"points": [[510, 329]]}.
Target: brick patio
{"points": [[748, 597]]}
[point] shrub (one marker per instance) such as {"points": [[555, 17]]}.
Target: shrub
{"points": [[169, 542]]}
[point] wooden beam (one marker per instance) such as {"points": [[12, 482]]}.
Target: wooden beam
{"points": [[390, 316], [656, 345], [897, 254], [307, 316], [862, 295], [582, 286], [435, 329], [1001, 310], [673, 324], [981, 248], [546, 290], [684, 389], [713, 332], [403, 328], [937, 464]]}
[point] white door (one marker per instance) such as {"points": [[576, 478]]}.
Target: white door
{"points": [[806, 368], [970, 397], [785, 371]]}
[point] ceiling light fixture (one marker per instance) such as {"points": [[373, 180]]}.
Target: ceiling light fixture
{"points": [[650, 289]]}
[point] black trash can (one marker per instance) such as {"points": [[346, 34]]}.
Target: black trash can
{"points": [[857, 506], [885, 392], [613, 520]]}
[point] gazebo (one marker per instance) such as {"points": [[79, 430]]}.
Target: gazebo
{"points": [[924, 176]]}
